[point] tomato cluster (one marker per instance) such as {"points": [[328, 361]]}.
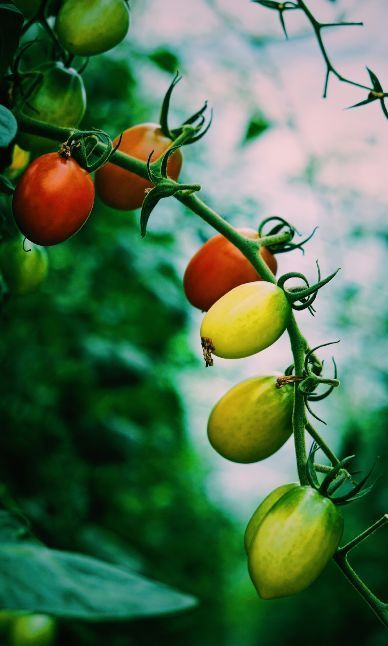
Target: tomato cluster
{"points": [[296, 530]]}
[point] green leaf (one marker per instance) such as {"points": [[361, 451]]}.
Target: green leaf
{"points": [[165, 59], [256, 126], [11, 22], [6, 185], [66, 584], [8, 126]]}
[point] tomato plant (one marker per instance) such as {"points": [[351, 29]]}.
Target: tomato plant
{"points": [[246, 320], [93, 27], [24, 268], [252, 420], [33, 630], [218, 266], [53, 199], [294, 542], [258, 516], [123, 189], [51, 93]]}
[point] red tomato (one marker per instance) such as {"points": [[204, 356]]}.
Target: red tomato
{"points": [[217, 267], [53, 199], [124, 190]]}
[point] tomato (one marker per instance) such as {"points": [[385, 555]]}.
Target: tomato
{"points": [[246, 320], [23, 270], [252, 420], [33, 630], [294, 542], [262, 510], [217, 267], [20, 159], [53, 199], [124, 190], [7, 617], [93, 26], [56, 95]]}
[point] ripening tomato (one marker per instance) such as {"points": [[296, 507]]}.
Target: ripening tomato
{"points": [[217, 267], [91, 27], [262, 510], [124, 190], [24, 267], [33, 630], [53, 199], [56, 95], [252, 420], [294, 542], [246, 320]]}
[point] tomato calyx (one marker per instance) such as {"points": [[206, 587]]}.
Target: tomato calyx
{"points": [[163, 186], [337, 477], [279, 239], [194, 125], [302, 297], [85, 147]]}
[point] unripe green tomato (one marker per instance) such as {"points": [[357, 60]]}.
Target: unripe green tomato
{"points": [[33, 630], [262, 510], [91, 27], [56, 95], [294, 542], [7, 617], [23, 271], [246, 320], [252, 420]]}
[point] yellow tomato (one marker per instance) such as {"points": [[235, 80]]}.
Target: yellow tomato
{"points": [[262, 510], [246, 320], [252, 420]]}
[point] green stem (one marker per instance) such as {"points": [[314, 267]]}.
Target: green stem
{"points": [[321, 443]]}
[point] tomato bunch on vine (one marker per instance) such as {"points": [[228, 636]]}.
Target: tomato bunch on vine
{"points": [[53, 168]]}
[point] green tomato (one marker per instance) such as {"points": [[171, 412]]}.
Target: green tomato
{"points": [[22, 270], [33, 630], [294, 542], [246, 320], [252, 420], [262, 510], [54, 94], [91, 27]]}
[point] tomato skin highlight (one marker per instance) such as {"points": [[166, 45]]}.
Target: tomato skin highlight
{"points": [[246, 320], [218, 266], [91, 27], [294, 542], [252, 420], [264, 507], [58, 97], [23, 270], [33, 630], [123, 190], [53, 199]]}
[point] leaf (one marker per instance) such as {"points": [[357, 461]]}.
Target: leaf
{"points": [[165, 59], [256, 126], [6, 185], [375, 81], [8, 126], [11, 22], [66, 584]]}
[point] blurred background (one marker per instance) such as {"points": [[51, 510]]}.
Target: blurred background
{"points": [[104, 395]]}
